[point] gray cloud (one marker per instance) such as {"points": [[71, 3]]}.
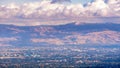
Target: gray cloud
{"points": [[59, 1], [46, 13]]}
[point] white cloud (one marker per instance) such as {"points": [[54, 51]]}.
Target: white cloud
{"points": [[42, 12]]}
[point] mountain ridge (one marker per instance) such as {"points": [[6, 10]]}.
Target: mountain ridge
{"points": [[60, 34]]}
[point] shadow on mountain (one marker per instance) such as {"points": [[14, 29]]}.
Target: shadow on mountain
{"points": [[88, 27]]}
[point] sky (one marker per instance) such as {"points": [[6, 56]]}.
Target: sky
{"points": [[56, 12], [27, 1]]}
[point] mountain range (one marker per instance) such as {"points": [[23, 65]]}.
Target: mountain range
{"points": [[67, 34]]}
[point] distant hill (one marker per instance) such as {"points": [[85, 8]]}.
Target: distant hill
{"points": [[60, 34]]}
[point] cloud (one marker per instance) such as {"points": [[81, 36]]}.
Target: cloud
{"points": [[45, 13], [59, 1], [103, 37]]}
